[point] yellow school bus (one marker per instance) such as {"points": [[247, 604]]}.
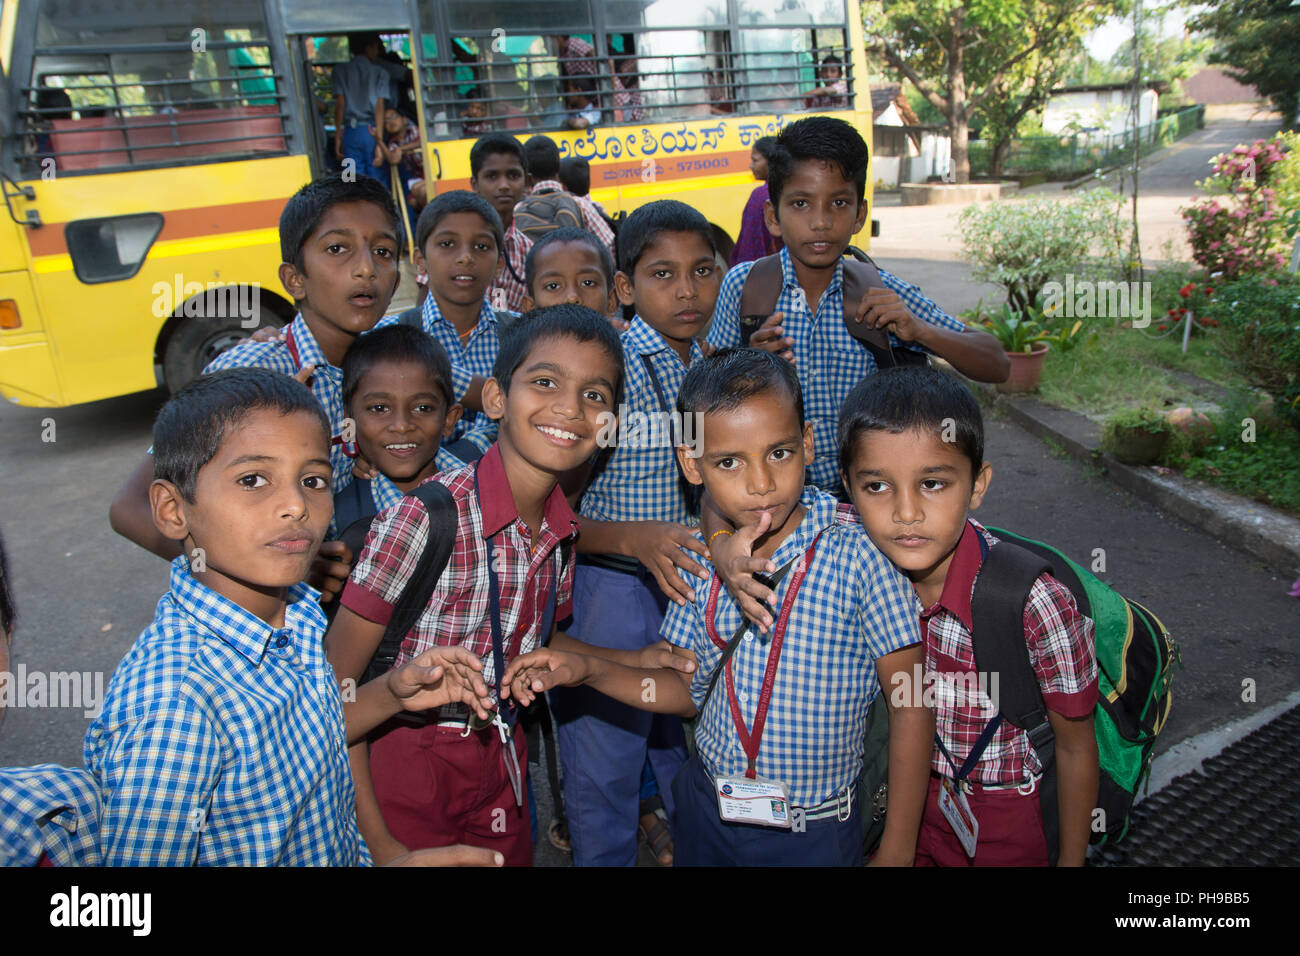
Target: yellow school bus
{"points": [[147, 147]]}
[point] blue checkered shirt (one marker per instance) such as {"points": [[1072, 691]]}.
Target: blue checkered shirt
{"points": [[829, 360], [475, 357], [52, 810], [222, 740], [853, 607], [326, 383], [640, 480]]}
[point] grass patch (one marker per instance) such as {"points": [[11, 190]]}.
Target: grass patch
{"points": [[1123, 368], [1264, 470]]}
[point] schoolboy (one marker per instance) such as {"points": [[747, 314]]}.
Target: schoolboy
{"points": [[397, 388], [816, 183], [544, 170], [635, 531], [497, 173], [510, 577], [569, 265], [458, 243], [222, 738], [339, 243], [786, 719], [915, 491]]}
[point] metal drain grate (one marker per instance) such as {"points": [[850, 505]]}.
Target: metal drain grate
{"points": [[1243, 811]]}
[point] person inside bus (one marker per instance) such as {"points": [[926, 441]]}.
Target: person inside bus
{"points": [[817, 183], [339, 240], [580, 98], [361, 92], [754, 241], [628, 105], [833, 94], [475, 114], [403, 150]]}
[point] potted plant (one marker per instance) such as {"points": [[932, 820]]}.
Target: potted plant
{"points": [[1024, 343], [1136, 436]]}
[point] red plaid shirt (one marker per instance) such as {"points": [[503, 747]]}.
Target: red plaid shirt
{"points": [[511, 294], [488, 528], [1060, 648]]}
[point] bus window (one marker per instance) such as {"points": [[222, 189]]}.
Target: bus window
{"points": [[152, 86]]}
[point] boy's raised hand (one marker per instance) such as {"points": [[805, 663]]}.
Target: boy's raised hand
{"points": [[733, 557], [330, 569], [442, 675], [530, 674], [883, 309], [361, 468], [269, 333], [658, 545], [771, 337]]}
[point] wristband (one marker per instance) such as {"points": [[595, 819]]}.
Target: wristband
{"points": [[716, 533]]}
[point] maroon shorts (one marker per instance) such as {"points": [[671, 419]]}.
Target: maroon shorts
{"points": [[1010, 831], [437, 788]]}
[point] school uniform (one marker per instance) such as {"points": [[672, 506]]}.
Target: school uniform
{"points": [[829, 360], [1002, 787], [437, 782], [475, 432], [49, 815], [301, 350], [842, 606], [604, 744], [508, 286], [222, 741]]}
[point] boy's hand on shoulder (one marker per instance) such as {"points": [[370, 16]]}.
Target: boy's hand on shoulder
{"points": [[458, 855], [537, 671], [441, 675], [771, 337], [733, 558], [269, 333], [883, 309], [330, 569], [658, 545]]}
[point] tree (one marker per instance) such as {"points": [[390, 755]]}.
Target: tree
{"points": [[1259, 40], [1001, 56]]}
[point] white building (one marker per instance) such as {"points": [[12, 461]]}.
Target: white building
{"points": [[1102, 108]]}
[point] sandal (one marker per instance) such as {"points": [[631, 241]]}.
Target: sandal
{"points": [[558, 834], [657, 836]]}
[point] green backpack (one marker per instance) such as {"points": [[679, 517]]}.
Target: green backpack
{"points": [[1135, 656]]}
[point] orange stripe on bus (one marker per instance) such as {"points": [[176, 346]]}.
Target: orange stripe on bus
{"points": [[179, 224]]}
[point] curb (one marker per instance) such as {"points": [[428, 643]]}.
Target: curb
{"points": [[1264, 533]]}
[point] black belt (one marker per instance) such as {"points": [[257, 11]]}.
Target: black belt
{"points": [[614, 562]]}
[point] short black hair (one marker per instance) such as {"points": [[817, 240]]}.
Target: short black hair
{"points": [[357, 42], [543, 157], [575, 175], [647, 222], [558, 321], [764, 146], [831, 60], [491, 144], [567, 234], [307, 207], [823, 138], [458, 200], [396, 343], [899, 399], [733, 376], [190, 428]]}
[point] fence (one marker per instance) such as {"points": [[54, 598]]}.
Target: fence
{"points": [[1064, 157]]}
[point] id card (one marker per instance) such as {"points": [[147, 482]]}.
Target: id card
{"points": [[956, 810], [762, 802]]}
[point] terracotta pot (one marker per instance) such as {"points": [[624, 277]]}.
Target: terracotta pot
{"points": [[1026, 370]]}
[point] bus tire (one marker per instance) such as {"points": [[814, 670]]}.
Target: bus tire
{"points": [[196, 342]]}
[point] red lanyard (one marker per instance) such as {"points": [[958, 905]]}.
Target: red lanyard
{"points": [[751, 741], [349, 447]]}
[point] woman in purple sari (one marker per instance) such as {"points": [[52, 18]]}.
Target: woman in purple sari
{"points": [[755, 241]]}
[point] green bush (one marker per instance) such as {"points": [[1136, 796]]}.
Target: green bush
{"points": [[1260, 321]]}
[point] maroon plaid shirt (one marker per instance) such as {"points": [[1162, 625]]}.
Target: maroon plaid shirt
{"points": [[512, 291], [1060, 648], [488, 528]]}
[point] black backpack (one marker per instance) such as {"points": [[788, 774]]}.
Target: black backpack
{"points": [[762, 290], [540, 213], [415, 596]]}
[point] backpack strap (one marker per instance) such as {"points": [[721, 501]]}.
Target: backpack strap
{"points": [[860, 276], [998, 615], [441, 508], [759, 294], [353, 504]]}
